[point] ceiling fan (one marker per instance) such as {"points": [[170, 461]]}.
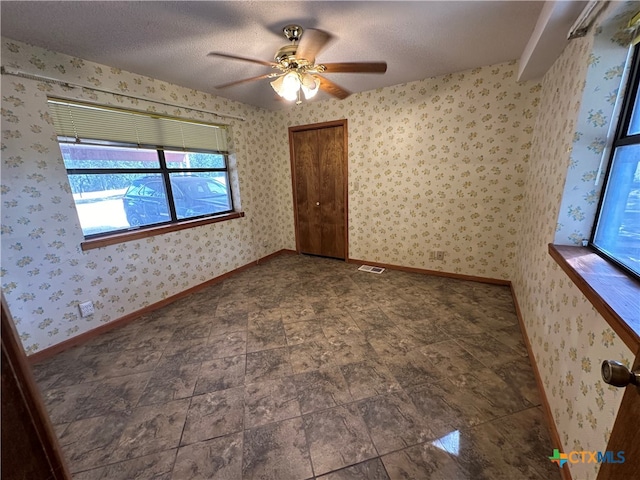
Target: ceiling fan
{"points": [[296, 68]]}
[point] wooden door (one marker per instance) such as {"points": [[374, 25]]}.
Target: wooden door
{"points": [[625, 436], [319, 166]]}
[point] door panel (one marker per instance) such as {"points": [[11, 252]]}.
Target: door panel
{"points": [[332, 241], [331, 149], [319, 172], [625, 436], [307, 191]]}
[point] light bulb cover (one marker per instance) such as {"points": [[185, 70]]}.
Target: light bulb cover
{"points": [[290, 86], [310, 85], [277, 85]]}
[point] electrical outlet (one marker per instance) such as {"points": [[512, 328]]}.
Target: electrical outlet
{"points": [[86, 309], [439, 255]]}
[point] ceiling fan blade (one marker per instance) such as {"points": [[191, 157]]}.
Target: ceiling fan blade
{"points": [[238, 82], [311, 43], [355, 67], [332, 89], [243, 59]]}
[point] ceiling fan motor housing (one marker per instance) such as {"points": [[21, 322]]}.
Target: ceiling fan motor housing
{"points": [[286, 55]]}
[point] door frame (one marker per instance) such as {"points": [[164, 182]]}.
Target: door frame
{"points": [[24, 412], [345, 155]]}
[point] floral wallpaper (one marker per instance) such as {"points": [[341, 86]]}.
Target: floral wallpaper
{"points": [[436, 164], [475, 164], [44, 273], [606, 63], [568, 337]]}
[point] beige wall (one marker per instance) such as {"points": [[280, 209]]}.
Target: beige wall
{"points": [[568, 337], [472, 163], [44, 272], [436, 164]]}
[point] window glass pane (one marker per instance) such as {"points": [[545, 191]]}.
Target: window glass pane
{"points": [[618, 229], [634, 124], [95, 157], [145, 201], [194, 160], [118, 201], [200, 194]]}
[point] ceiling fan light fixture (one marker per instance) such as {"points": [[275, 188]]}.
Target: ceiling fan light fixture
{"points": [[296, 72]]}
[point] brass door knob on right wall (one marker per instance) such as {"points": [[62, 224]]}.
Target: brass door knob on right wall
{"points": [[616, 374]]}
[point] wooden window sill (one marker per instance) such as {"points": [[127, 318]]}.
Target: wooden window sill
{"points": [[613, 293], [153, 231]]}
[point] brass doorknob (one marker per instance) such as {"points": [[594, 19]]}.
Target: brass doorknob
{"points": [[616, 374], [317, 203]]}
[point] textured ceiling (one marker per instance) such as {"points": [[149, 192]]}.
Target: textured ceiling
{"points": [[170, 40]]}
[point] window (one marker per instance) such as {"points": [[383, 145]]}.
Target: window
{"points": [[130, 170], [616, 234]]}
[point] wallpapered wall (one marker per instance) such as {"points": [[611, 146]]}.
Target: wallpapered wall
{"points": [[455, 163], [606, 63], [436, 164], [569, 338], [45, 274]]}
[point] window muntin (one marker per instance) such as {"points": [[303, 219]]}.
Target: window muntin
{"points": [[616, 233]]}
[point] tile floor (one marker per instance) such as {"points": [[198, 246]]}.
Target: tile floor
{"points": [[303, 368]]}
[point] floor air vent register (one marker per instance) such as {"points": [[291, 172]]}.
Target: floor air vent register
{"points": [[370, 269]]}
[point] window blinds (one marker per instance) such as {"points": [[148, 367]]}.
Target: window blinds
{"points": [[91, 122], [634, 25]]}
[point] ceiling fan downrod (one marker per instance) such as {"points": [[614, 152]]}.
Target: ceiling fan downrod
{"points": [[285, 57], [293, 32]]}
